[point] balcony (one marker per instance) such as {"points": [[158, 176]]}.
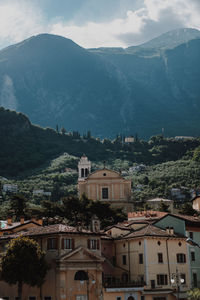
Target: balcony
{"points": [[117, 283]]}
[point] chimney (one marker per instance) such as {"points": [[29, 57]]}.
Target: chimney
{"points": [[167, 230], [9, 221], [171, 230], [22, 219]]}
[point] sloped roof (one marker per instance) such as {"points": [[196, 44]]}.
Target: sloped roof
{"points": [[150, 230], [50, 229]]}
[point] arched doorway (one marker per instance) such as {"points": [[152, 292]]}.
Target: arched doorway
{"points": [[81, 276], [131, 298]]}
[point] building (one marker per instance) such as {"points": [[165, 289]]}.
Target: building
{"points": [[156, 202], [141, 263], [12, 188], [74, 255], [104, 185], [196, 203]]}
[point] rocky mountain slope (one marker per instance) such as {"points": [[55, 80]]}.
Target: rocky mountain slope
{"points": [[54, 81]]}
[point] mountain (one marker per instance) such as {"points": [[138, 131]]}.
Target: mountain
{"points": [[108, 91], [171, 39]]}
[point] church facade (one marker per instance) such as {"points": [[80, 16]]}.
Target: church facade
{"points": [[104, 185]]}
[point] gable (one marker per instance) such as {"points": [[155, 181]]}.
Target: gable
{"points": [[81, 254], [105, 174], [171, 221]]}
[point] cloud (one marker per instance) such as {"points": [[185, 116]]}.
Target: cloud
{"points": [[19, 19], [154, 17], [93, 23], [7, 96]]}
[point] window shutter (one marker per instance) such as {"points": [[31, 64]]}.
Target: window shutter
{"points": [[63, 243], [88, 242], [98, 244], [48, 244], [72, 244], [56, 243]]}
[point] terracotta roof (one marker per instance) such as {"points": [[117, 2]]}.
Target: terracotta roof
{"points": [[50, 229], [150, 230], [5, 225], [146, 215]]}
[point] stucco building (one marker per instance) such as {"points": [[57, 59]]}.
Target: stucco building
{"points": [[74, 255], [104, 185]]}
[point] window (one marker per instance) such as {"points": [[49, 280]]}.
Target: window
{"points": [[162, 279], [153, 285], [124, 277], [93, 244], [191, 235], [192, 256], [142, 297], [81, 297], [181, 258], [32, 298], [52, 244], [140, 258], [160, 258], [67, 243], [5, 298], [194, 276], [47, 298], [119, 298], [124, 259], [159, 298], [104, 193]]}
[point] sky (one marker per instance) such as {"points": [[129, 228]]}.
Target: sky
{"points": [[96, 23]]}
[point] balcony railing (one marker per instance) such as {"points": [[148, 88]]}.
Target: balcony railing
{"points": [[114, 283]]}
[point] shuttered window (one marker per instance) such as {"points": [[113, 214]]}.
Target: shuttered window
{"points": [[52, 244], [67, 243]]}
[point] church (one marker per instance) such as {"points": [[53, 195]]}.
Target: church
{"points": [[104, 185]]}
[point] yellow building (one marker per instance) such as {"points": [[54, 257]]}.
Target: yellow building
{"points": [[142, 263], [74, 255], [104, 185], [196, 203]]}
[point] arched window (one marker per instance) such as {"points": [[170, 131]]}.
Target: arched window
{"points": [[131, 298], [86, 172], [81, 275], [82, 172]]}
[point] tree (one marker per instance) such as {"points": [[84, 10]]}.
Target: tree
{"points": [[194, 294], [24, 262], [63, 130], [187, 209], [18, 204], [163, 207]]}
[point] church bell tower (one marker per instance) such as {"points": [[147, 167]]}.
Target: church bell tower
{"points": [[84, 168]]}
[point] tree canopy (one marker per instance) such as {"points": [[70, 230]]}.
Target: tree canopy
{"points": [[24, 262]]}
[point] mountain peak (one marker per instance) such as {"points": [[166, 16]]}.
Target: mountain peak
{"points": [[171, 38]]}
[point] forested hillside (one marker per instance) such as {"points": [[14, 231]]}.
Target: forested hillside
{"points": [[26, 147]]}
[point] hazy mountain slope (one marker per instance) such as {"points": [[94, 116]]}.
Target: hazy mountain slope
{"points": [[108, 91], [54, 81]]}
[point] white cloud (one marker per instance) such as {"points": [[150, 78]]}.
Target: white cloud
{"points": [[7, 96], [152, 19], [19, 19]]}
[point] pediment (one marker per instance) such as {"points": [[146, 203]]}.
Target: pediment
{"points": [[81, 254]]}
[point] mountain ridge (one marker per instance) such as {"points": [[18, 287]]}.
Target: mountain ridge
{"points": [[55, 81]]}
